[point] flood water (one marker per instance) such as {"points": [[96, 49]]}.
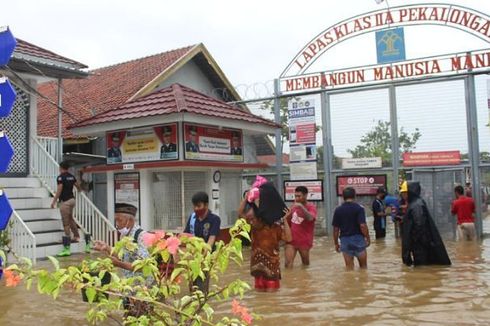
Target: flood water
{"points": [[388, 293]]}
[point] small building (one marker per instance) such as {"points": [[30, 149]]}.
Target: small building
{"points": [[163, 147]]}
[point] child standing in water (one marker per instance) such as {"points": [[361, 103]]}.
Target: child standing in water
{"points": [[266, 236]]}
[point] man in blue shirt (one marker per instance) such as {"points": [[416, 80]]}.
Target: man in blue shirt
{"points": [[203, 224], [349, 222]]}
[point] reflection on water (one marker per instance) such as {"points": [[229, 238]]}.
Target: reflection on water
{"points": [[388, 293]]}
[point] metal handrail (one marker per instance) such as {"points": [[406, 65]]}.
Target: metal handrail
{"points": [[44, 166], [23, 241], [50, 144], [93, 221], [90, 219]]}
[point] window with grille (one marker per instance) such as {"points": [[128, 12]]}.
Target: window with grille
{"points": [[167, 200], [230, 195], [172, 194]]}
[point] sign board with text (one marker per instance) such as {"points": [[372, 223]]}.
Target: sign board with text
{"points": [[388, 24], [432, 158], [302, 138], [315, 189], [127, 190], [364, 185], [158, 143], [211, 143], [361, 163]]}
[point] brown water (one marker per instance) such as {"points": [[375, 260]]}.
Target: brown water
{"points": [[388, 293]]}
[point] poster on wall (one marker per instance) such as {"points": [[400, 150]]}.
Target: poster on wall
{"points": [[302, 139], [315, 189], [127, 190], [142, 144], [364, 185], [212, 143]]}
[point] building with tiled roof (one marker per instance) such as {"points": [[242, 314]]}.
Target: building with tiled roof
{"points": [[109, 87], [172, 100]]}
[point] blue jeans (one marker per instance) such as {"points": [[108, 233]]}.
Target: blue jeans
{"points": [[353, 245]]}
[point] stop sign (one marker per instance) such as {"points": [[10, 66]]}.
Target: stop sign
{"points": [[7, 97], [5, 210], [6, 152]]}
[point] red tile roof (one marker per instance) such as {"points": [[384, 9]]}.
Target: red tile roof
{"points": [[175, 99], [105, 89], [30, 49]]}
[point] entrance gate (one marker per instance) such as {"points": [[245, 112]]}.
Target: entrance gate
{"points": [[386, 97]]}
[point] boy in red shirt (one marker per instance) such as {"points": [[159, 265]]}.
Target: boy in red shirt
{"points": [[464, 208], [301, 218]]}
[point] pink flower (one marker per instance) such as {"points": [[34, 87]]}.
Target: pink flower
{"points": [[241, 311], [151, 238], [173, 244], [236, 308], [11, 279], [162, 244], [247, 318]]}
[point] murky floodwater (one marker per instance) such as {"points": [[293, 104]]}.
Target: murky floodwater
{"points": [[388, 293]]}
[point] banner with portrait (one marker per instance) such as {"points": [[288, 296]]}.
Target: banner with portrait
{"points": [[212, 143], [158, 143]]}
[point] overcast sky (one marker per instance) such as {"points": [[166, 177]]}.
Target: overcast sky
{"points": [[252, 41]]}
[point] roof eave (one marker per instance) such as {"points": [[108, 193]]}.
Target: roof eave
{"points": [[45, 67], [100, 129]]}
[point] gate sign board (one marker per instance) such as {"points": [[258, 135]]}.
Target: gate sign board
{"points": [[390, 45], [364, 185], [7, 97], [5, 210], [7, 45], [315, 189], [432, 158], [6, 152], [389, 21], [361, 163]]}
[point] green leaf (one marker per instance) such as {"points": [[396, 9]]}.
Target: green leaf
{"points": [[90, 292], [55, 262]]}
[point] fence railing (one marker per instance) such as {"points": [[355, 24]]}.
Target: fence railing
{"points": [[88, 216], [93, 221], [50, 144], [23, 241], [44, 166]]}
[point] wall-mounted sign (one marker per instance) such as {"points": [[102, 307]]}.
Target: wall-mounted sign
{"points": [[315, 189], [361, 163], [364, 185], [432, 158], [212, 143], [303, 171], [302, 139], [390, 45], [143, 144], [127, 190]]}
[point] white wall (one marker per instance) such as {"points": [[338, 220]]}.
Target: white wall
{"points": [[190, 75]]}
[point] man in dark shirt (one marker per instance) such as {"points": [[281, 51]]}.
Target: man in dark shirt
{"points": [[64, 193], [379, 213], [349, 222], [203, 224]]}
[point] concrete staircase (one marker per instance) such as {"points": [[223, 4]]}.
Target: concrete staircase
{"points": [[32, 202]]}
